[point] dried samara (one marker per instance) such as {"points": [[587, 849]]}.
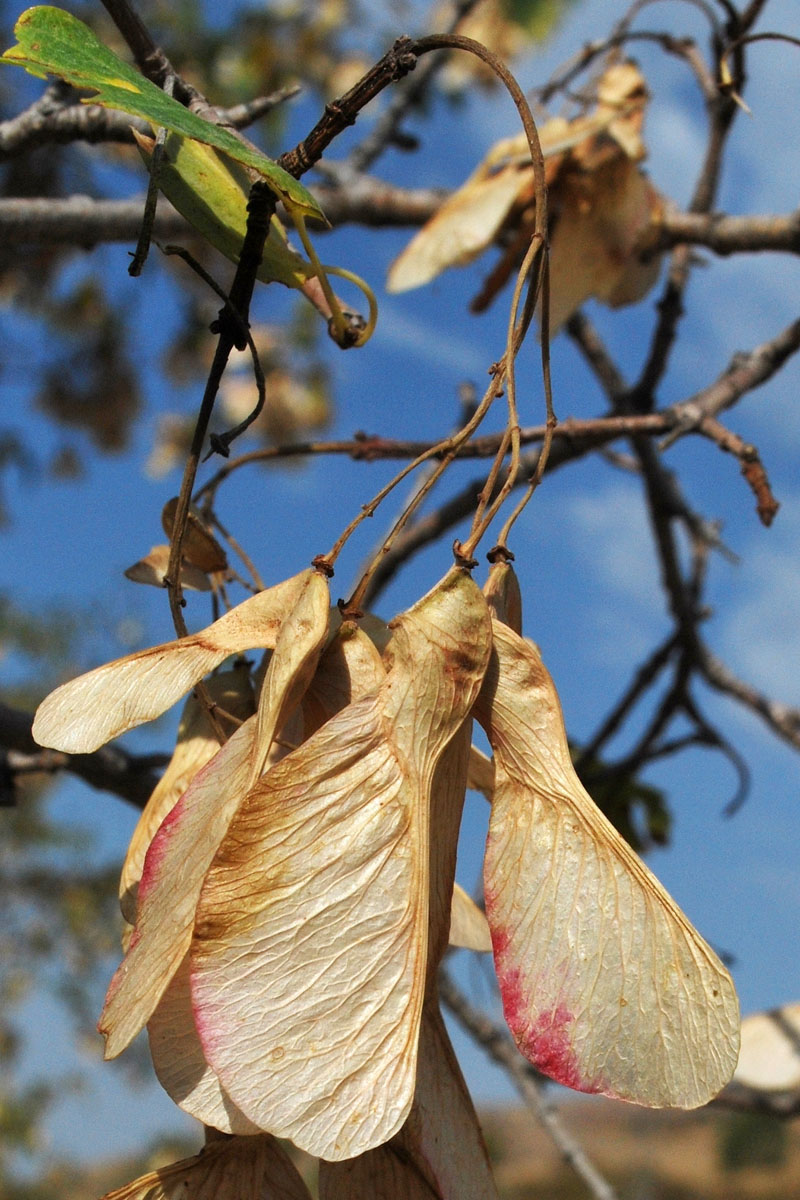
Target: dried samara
{"points": [[604, 213], [290, 893]]}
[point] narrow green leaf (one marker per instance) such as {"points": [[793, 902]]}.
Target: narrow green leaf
{"points": [[53, 42]]}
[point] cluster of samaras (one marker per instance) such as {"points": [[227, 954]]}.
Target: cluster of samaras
{"points": [[603, 211], [290, 892]]}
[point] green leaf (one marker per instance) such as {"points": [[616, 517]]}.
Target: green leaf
{"points": [[212, 196], [53, 42]]}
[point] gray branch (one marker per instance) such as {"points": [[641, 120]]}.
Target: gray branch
{"points": [[364, 200]]}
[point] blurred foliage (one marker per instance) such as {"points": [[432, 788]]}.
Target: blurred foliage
{"points": [[60, 924], [93, 386], [34, 649]]}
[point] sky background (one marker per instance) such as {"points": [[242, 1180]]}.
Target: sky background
{"points": [[583, 547]]}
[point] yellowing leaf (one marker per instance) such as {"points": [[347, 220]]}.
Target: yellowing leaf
{"points": [[769, 1060], [53, 42], [439, 1154], [81, 715], [182, 850], [243, 1168], [197, 744], [312, 924], [606, 985], [211, 193]]}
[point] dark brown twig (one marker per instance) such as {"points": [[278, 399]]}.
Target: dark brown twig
{"points": [[111, 769]]}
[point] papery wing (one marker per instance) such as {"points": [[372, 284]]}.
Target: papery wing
{"points": [[241, 1168], [196, 745], [350, 667], [461, 229], [604, 218], [291, 668], [480, 776], [174, 869], [770, 1056], [606, 985], [469, 928], [180, 1064], [310, 948], [81, 715], [187, 840], [439, 1154]]}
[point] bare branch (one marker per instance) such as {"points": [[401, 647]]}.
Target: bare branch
{"points": [[730, 235], [58, 118], [110, 769], [781, 718], [406, 96], [81, 221], [746, 1099]]}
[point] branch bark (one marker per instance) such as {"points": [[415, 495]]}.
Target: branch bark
{"points": [[110, 769]]}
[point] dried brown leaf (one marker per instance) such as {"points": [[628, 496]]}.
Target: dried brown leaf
{"points": [[152, 570], [200, 547]]}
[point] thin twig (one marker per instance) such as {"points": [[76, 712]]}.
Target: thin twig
{"points": [[528, 1083]]}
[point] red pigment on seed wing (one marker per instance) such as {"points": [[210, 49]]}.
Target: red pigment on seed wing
{"points": [[158, 848], [548, 1045], [210, 1034]]}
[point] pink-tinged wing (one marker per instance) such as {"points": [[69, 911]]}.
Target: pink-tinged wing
{"points": [[187, 840], [197, 744], [349, 668], [606, 985], [309, 957], [174, 869], [439, 1154], [88, 711], [240, 1168], [180, 1065]]}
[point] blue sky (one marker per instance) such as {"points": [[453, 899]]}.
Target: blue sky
{"points": [[584, 553]]}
